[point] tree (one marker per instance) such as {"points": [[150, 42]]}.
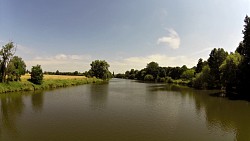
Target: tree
{"points": [[36, 74], [202, 80], [6, 52], [229, 70], [188, 74], [216, 58], [99, 69], [152, 68], [199, 66], [16, 68], [244, 67]]}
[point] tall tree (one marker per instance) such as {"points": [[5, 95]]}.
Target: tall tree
{"points": [[229, 71], [216, 58], [99, 69], [199, 66], [7, 53], [244, 67]]}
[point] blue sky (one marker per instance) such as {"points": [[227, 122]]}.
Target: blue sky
{"points": [[67, 35]]}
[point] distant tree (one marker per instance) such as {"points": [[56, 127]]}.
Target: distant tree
{"points": [[7, 53], [75, 73], [57, 72], [16, 68], [149, 77], [99, 69], [202, 80], [216, 58], [244, 67], [199, 66], [127, 74], [162, 72], [36, 74], [175, 72], [188, 74], [152, 68]]}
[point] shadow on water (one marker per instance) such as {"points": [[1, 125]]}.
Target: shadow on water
{"points": [[37, 100], [98, 96], [12, 107]]}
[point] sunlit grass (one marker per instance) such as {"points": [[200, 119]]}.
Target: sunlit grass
{"points": [[49, 82]]}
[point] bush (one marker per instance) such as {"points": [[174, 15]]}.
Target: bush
{"points": [[149, 77], [36, 75], [169, 80]]}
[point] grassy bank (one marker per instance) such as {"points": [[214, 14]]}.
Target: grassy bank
{"points": [[49, 82]]}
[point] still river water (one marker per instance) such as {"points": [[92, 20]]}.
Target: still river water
{"points": [[123, 110]]}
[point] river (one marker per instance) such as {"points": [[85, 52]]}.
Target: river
{"points": [[123, 110]]}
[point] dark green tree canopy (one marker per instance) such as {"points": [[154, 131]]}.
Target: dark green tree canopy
{"points": [[16, 68], [199, 66], [152, 68], [36, 74], [99, 69]]}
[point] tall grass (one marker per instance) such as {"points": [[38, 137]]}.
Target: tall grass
{"points": [[49, 82]]}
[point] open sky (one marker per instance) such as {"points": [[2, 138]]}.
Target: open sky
{"points": [[67, 35]]}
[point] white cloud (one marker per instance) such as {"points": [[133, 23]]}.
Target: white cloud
{"points": [[172, 40], [62, 62]]}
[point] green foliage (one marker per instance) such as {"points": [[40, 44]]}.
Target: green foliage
{"points": [[152, 68], [6, 53], [199, 66], [16, 68], [188, 74], [229, 70], [47, 84], [202, 80], [244, 66], [149, 77], [36, 75], [99, 69], [216, 58]]}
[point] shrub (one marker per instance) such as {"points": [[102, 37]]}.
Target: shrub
{"points": [[36, 74]]}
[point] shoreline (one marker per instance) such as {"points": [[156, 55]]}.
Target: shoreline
{"points": [[25, 85]]}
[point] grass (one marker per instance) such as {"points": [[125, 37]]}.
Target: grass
{"points": [[49, 82]]}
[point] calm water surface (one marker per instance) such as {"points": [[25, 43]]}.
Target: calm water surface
{"points": [[123, 110]]}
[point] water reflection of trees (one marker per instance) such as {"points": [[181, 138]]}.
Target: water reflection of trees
{"points": [[227, 114], [37, 101], [98, 96], [12, 107]]}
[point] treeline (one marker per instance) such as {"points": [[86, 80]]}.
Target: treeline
{"points": [[75, 73], [222, 70], [99, 69], [12, 67], [153, 72]]}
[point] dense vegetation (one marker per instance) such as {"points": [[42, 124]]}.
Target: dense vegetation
{"points": [[222, 70]]}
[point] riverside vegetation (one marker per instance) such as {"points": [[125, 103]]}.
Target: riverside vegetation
{"points": [[229, 72], [49, 82], [15, 77]]}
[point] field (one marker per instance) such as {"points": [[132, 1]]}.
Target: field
{"points": [[49, 77], [49, 82]]}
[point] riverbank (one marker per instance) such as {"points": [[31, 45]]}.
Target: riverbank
{"points": [[49, 82]]}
